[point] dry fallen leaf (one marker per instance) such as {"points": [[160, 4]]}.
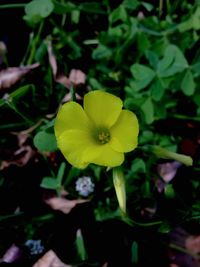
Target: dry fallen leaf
{"points": [[60, 78], [10, 76], [77, 77], [68, 97], [63, 204], [192, 243], [185, 248], [21, 155], [12, 254], [50, 259]]}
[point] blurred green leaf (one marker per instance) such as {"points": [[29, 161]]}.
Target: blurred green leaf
{"points": [[101, 52], [61, 172], [50, 183], [188, 84], [37, 10], [143, 75], [148, 109], [157, 90], [134, 252], [45, 141], [138, 165], [75, 16], [192, 23], [80, 246], [63, 8], [118, 14], [172, 62], [169, 191], [131, 4], [164, 228], [146, 137]]}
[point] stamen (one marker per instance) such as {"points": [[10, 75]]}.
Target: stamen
{"points": [[104, 137]]}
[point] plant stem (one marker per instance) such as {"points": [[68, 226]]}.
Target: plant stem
{"points": [[181, 249], [12, 6], [13, 107], [34, 45]]}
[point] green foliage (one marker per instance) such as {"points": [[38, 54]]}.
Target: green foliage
{"points": [[54, 183], [45, 141], [37, 10]]}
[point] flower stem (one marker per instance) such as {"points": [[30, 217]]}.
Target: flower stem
{"points": [[34, 44]]}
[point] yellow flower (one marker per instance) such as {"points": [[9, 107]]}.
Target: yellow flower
{"points": [[100, 133]]}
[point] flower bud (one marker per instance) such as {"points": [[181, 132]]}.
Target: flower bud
{"points": [[119, 184]]}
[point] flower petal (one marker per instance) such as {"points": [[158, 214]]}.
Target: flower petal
{"points": [[103, 155], [79, 148], [124, 133], [102, 108], [72, 144], [71, 116]]}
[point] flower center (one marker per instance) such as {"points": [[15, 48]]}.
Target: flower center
{"points": [[102, 136]]}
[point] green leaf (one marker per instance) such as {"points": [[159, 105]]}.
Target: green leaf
{"points": [[138, 165], [157, 90], [148, 110], [92, 7], [49, 183], [152, 58], [192, 23], [134, 252], [101, 52], [196, 99], [131, 4], [143, 42], [75, 16], [164, 228], [64, 7], [196, 68], [81, 246], [188, 84], [146, 137], [61, 172], [39, 8], [143, 75], [172, 62], [118, 14], [148, 6], [95, 83], [44, 141], [169, 191]]}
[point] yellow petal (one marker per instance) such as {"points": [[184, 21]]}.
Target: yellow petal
{"points": [[71, 116], [72, 144], [124, 133], [102, 108], [80, 149], [103, 155]]}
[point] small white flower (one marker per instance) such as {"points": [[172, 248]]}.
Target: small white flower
{"points": [[84, 186]]}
